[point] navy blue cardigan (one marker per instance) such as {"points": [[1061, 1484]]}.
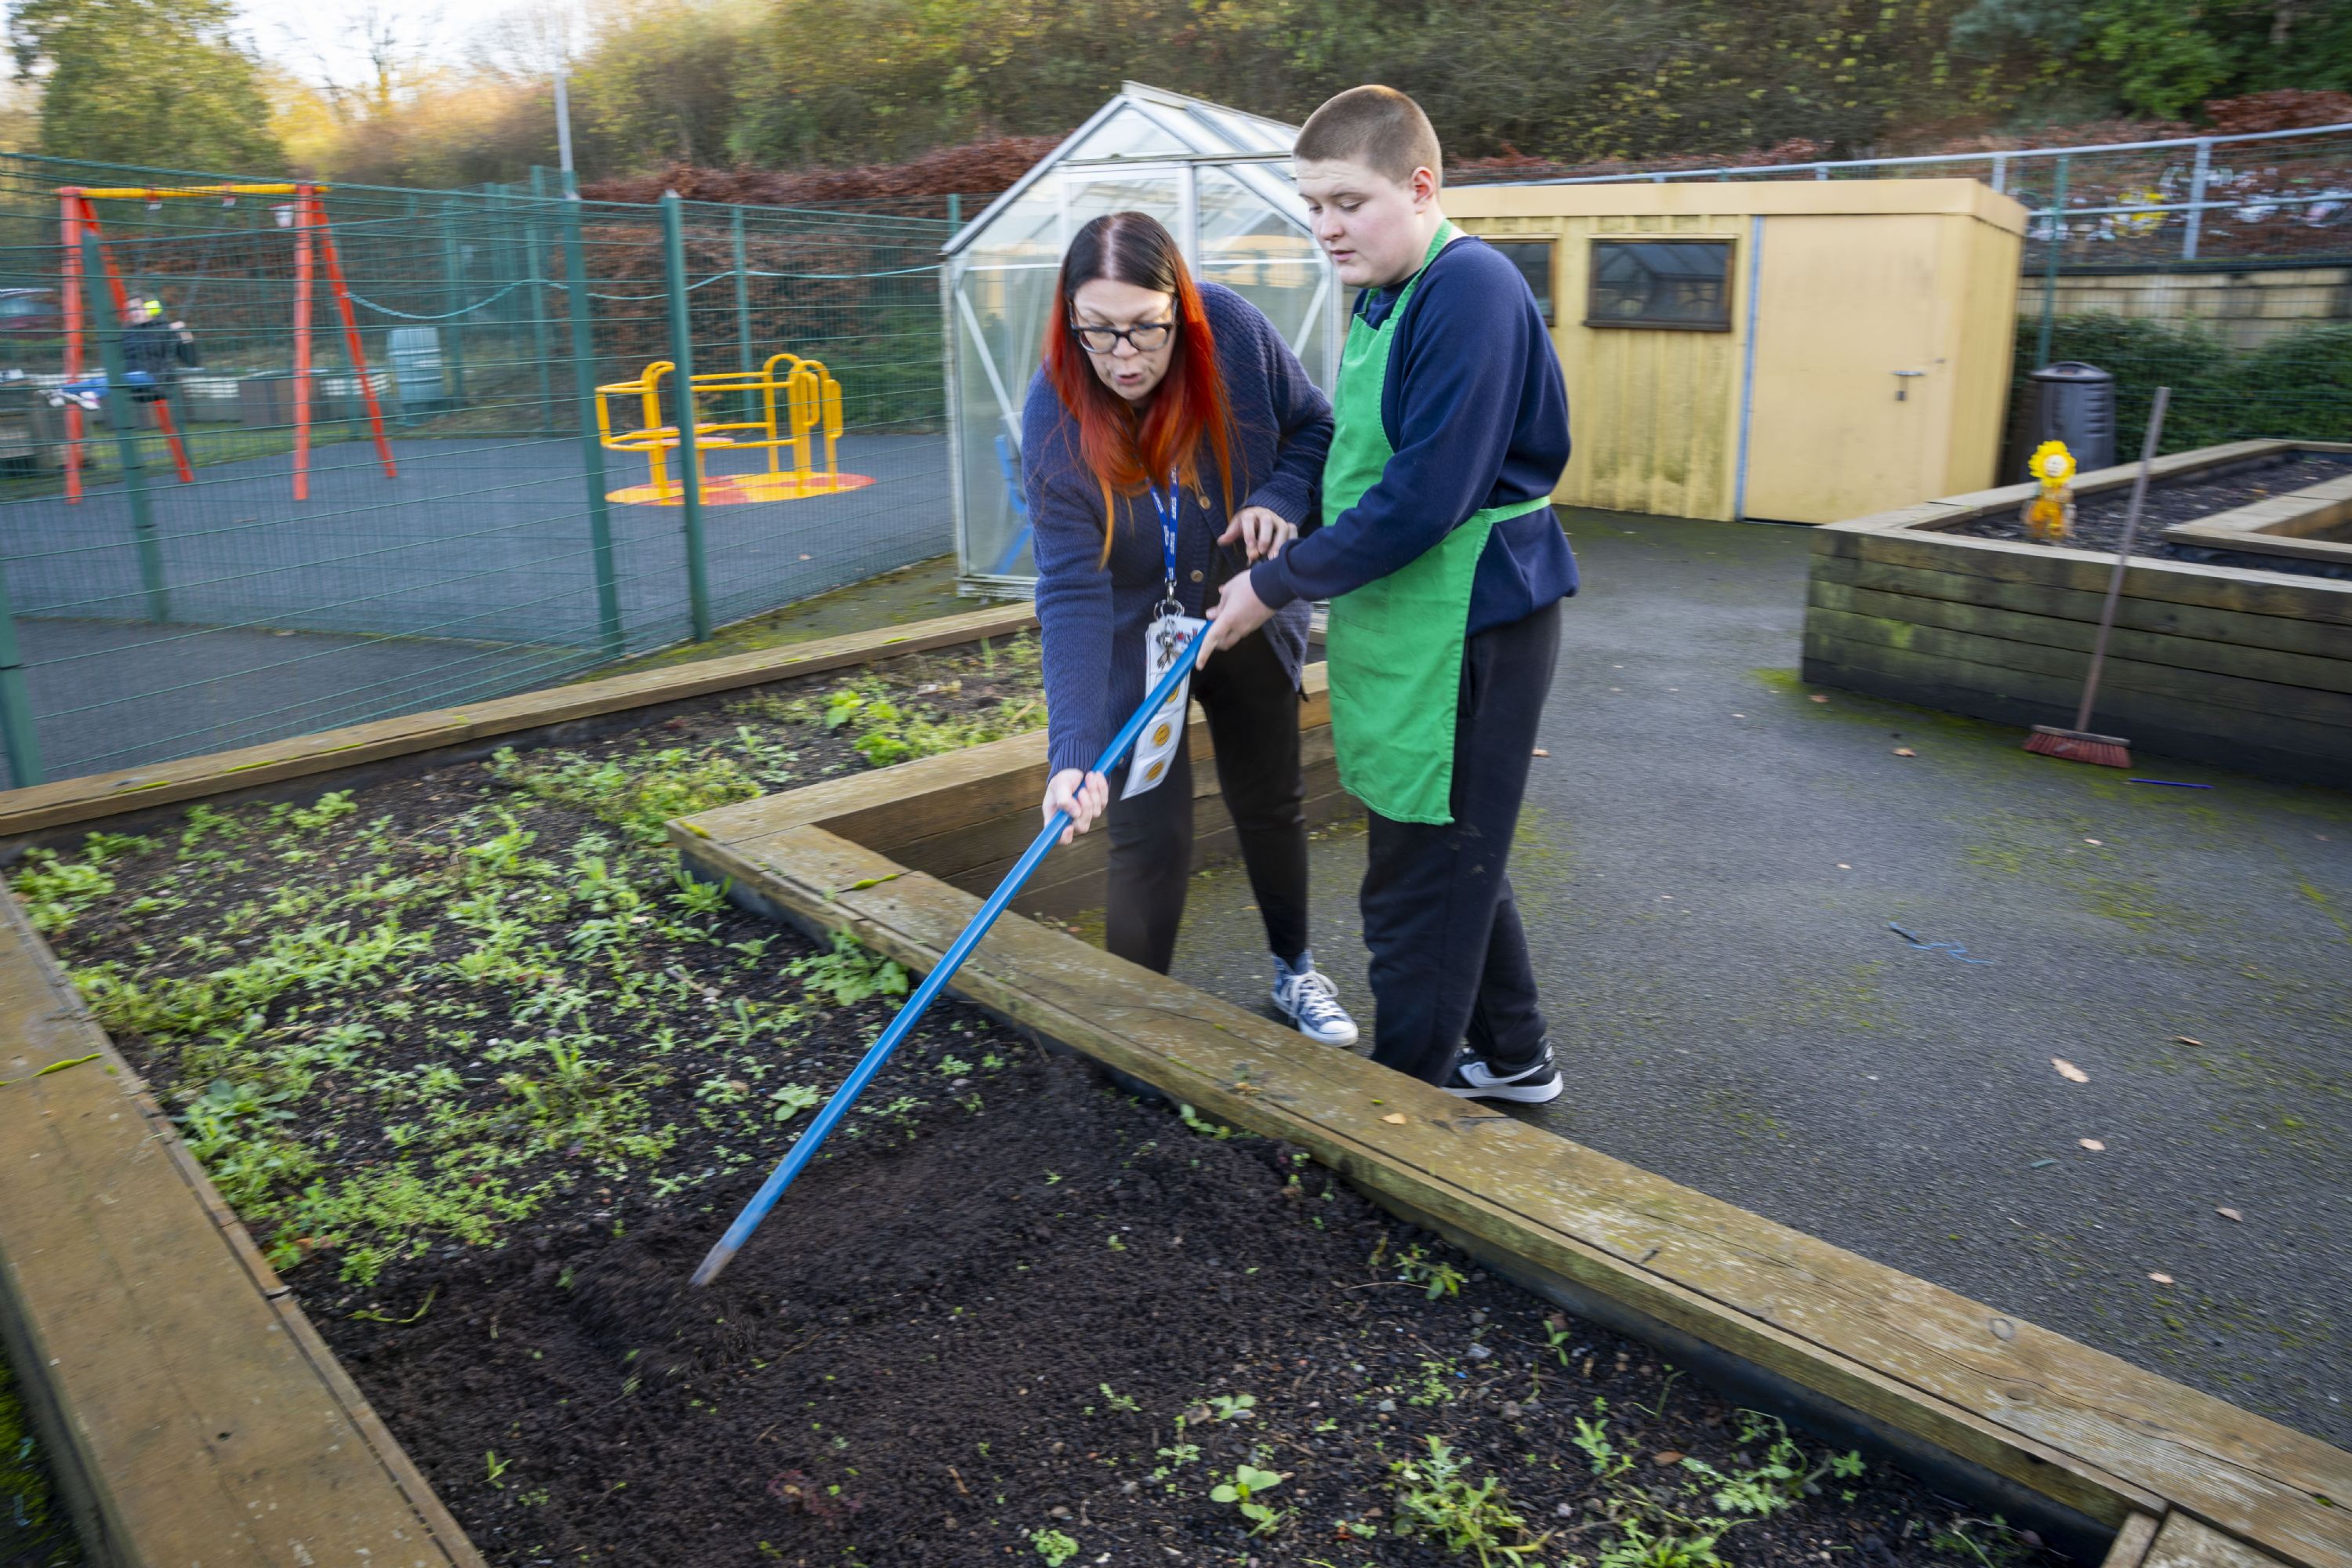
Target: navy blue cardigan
{"points": [[1094, 618]]}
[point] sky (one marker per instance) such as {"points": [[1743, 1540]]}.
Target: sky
{"points": [[315, 38]]}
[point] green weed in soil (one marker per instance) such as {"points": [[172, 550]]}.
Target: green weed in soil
{"points": [[422, 1015]]}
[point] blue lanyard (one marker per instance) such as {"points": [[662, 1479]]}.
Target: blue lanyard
{"points": [[1169, 513]]}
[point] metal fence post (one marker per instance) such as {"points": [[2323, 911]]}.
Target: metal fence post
{"points": [[2055, 245], [453, 272], [2200, 175], [535, 268], [750, 399], [18, 737], [592, 451], [2001, 173], [689, 450], [123, 415]]}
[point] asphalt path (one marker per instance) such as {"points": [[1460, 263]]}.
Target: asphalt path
{"points": [[1709, 861]]}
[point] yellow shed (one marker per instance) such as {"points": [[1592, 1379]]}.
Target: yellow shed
{"points": [[1795, 350]]}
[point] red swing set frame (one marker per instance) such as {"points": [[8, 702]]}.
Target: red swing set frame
{"points": [[314, 249]]}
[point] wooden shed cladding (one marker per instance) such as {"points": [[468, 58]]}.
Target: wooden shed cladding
{"points": [[1876, 372]]}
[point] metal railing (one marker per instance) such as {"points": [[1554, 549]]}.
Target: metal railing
{"points": [[190, 597], [2307, 176]]}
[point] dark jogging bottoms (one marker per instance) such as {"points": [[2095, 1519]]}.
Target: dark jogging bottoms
{"points": [[1253, 711], [1449, 958]]}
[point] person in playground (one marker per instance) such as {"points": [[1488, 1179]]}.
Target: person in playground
{"points": [[156, 348], [1445, 569], [1169, 438]]}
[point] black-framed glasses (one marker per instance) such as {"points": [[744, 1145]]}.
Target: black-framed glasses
{"points": [[1143, 337]]}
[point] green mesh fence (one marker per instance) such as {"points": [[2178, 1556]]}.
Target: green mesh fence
{"points": [[170, 592]]}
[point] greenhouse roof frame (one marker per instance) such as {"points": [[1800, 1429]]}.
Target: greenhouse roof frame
{"points": [[1203, 127]]}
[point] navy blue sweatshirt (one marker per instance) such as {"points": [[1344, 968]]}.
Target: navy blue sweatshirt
{"points": [[1094, 619], [1475, 412]]}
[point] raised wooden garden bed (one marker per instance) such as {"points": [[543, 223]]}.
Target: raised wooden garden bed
{"points": [[1017, 1316], [2233, 645]]}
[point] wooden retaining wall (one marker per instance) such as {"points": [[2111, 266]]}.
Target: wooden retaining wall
{"points": [[196, 1418], [968, 816], [2241, 668], [2181, 1478]]}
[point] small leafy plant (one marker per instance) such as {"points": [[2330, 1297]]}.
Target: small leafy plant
{"points": [[1435, 1498], [1247, 1484], [848, 973], [1053, 1546]]}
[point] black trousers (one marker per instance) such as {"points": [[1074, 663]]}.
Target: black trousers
{"points": [[1449, 959], [1253, 710]]}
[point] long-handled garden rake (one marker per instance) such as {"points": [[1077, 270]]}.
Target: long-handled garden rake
{"points": [[909, 1014]]}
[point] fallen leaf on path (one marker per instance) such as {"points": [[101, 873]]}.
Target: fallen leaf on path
{"points": [[2185, 1040], [2069, 1071], [2093, 1145], [1819, 697], [2101, 844], [1665, 1459], [2161, 1279], [1905, 752], [1541, 753], [2231, 1215], [1393, 1119]]}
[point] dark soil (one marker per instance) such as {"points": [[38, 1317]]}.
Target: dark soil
{"points": [[942, 1346], [487, 1083], [358, 1013], [2099, 519]]}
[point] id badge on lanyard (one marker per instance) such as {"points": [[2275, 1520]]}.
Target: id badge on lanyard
{"points": [[1171, 631]]}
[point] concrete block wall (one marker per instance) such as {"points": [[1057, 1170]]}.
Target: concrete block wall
{"points": [[2245, 307]]}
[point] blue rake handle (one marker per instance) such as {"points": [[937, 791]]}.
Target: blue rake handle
{"points": [[804, 1149]]}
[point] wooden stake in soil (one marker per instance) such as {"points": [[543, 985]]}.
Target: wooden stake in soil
{"points": [[804, 1149], [2079, 744]]}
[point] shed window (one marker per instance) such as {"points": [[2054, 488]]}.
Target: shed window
{"points": [[1675, 284], [1533, 259]]}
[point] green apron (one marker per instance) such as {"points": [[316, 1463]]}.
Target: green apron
{"points": [[1393, 647]]}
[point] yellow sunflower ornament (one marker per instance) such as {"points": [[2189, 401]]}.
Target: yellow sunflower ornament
{"points": [[2050, 515]]}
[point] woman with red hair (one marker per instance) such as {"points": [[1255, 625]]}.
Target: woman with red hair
{"points": [[1171, 439]]}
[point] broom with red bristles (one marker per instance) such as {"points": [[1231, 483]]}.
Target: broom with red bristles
{"points": [[2079, 744]]}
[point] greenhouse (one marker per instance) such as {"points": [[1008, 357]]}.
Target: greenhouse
{"points": [[1218, 178]]}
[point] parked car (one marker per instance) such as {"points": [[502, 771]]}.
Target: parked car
{"points": [[29, 314]]}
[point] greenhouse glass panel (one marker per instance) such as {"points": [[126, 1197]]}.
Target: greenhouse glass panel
{"points": [[1130, 133], [1196, 167], [1258, 248]]}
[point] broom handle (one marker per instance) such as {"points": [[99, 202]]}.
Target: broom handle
{"points": [[804, 1148], [2123, 557]]}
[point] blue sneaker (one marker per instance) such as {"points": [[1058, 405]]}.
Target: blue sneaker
{"points": [[1307, 998]]}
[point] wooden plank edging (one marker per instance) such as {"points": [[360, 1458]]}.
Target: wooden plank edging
{"points": [[195, 1413], [2086, 1429], [94, 797]]}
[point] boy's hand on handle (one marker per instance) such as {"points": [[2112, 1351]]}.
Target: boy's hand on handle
{"points": [[1262, 532], [1083, 794], [1238, 613]]}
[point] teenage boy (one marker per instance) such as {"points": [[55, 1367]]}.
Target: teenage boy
{"points": [[1444, 568]]}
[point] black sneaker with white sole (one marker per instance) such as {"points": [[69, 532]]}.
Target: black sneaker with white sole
{"points": [[1533, 1083]]}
